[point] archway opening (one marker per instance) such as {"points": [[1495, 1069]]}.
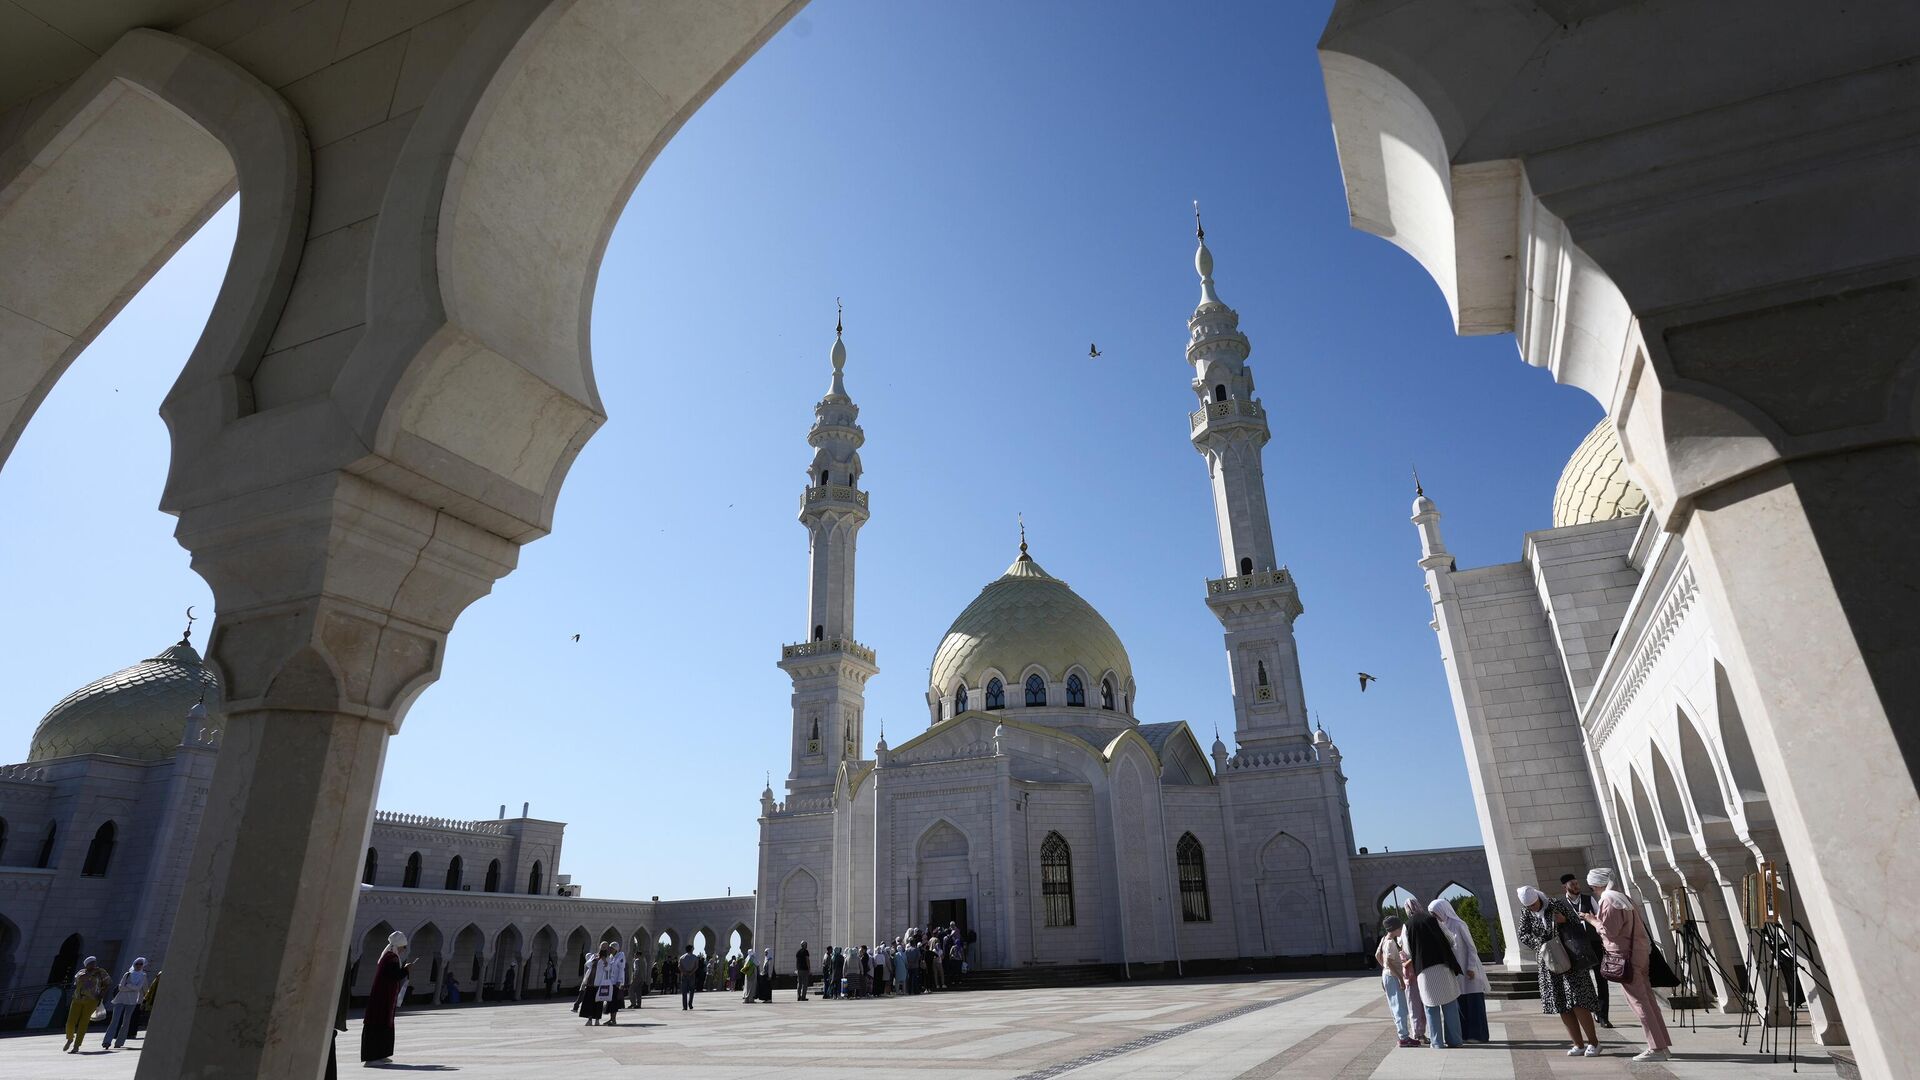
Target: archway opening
{"points": [[1484, 925]]}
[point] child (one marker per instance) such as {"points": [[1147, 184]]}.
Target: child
{"points": [[1391, 956]]}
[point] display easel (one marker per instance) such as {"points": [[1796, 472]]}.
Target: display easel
{"points": [[1781, 952]]}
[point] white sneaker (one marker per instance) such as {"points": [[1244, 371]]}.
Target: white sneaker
{"points": [[1652, 1055], [1593, 1049], [1574, 1051]]}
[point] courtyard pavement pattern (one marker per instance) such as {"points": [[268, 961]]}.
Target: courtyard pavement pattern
{"points": [[1233, 1029]]}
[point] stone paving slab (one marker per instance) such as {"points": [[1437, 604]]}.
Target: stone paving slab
{"points": [[1316, 1028]]}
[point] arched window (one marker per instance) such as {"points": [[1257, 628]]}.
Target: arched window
{"points": [[1076, 692], [99, 853], [819, 633], [453, 874], [372, 867], [1106, 693], [1219, 392], [1260, 668], [1036, 690], [1246, 567], [960, 700], [410, 877], [823, 478], [1193, 880], [996, 694], [46, 846], [1056, 879], [533, 881], [493, 876]]}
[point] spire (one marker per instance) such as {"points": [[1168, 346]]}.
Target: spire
{"points": [[839, 355], [1022, 519], [1203, 259], [1417, 489], [187, 634]]}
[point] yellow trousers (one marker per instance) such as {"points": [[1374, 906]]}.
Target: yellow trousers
{"points": [[79, 1017]]}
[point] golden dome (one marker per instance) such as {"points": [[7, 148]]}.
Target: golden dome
{"points": [[1028, 617], [1595, 485], [138, 712]]}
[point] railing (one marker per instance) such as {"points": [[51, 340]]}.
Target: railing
{"points": [[422, 821], [829, 645], [836, 493], [28, 772], [1262, 580], [1220, 410], [816, 805], [1274, 759]]}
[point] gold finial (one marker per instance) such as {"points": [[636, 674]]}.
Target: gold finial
{"points": [[1418, 491], [839, 314], [1022, 519], [188, 632], [1198, 229]]}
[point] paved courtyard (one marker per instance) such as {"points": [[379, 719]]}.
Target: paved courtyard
{"points": [[1229, 1028]]}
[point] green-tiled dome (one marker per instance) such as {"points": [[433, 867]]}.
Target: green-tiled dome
{"points": [[1028, 617], [1595, 485], [138, 712]]}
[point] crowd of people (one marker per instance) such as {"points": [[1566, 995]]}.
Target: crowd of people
{"points": [[1436, 985]]}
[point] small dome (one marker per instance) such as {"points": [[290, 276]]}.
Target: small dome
{"points": [[1028, 617], [1595, 485], [138, 712]]}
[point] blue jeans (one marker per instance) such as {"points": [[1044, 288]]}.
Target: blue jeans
{"points": [[1397, 1002], [119, 1026], [1443, 1023]]}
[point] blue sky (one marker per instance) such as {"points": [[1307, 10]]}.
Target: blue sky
{"points": [[990, 188]]}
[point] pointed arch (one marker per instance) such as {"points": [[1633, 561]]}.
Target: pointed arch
{"points": [[1106, 692], [425, 944], [1192, 861], [45, 858], [370, 869], [942, 839], [960, 698], [99, 851], [1036, 691], [996, 694], [1056, 880], [1741, 765], [410, 877], [492, 883], [1666, 794], [455, 871], [1076, 691], [536, 884], [372, 944], [1704, 788]]}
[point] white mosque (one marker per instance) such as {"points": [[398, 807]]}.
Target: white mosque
{"points": [[1039, 810]]}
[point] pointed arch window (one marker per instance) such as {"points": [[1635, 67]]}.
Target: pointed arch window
{"points": [[1076, 692], [493, 876], [1260, 669], [1219, 391], [823, 478], [99, 853], [46, 846], [996, 694], [1246, 567], [370, 867], [1193, 880], [1106, 694], [410, 877], [533, 880], [1036, 690], [454, 869], [1056, 879], [960, 700]]}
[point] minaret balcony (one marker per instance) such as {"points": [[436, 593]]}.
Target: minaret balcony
{"points": [[1257, 596], [1224, 413], [1265, 579], [828, 646], [833, 493]]}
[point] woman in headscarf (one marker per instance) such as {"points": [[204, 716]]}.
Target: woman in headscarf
{"points": [[1623, 934], [766, 974], [1473, 974], [592, 1006], [1433, 958], [1411, 985], [383, 1001], [749, 973], [1568, 995]]}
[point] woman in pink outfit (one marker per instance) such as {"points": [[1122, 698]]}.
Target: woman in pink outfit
{"points": [[1624, 933]]}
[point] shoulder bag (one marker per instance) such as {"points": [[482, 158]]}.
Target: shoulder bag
{"points": [[1552, 952], [1618, 967]]}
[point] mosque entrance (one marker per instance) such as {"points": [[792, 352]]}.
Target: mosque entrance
{"points": [[942, 912]]}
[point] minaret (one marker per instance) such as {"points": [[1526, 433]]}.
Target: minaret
{"points": [[1255, 599], [829, 668]]}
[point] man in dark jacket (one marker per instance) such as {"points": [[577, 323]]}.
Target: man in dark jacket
{"points": [[802, 971]]}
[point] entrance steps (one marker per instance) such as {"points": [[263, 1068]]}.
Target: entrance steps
{"points": [[1513, 983]]}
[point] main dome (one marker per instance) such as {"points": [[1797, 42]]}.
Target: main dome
{"points": [[138, 712], [1028, 617], [1595, 485]]}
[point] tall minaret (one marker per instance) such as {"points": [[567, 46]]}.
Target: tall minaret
{"points": [[1255, 599], [830, 669]]}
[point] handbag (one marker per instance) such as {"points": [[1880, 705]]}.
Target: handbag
{"points": [[1583, 949], [603, 993], [1555, 954], [99, 1012], [1658, 973]]}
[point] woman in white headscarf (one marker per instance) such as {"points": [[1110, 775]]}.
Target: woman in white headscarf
{"points": [[376, 1029], [1568, 994], [1623, 934], [1473, 974]]}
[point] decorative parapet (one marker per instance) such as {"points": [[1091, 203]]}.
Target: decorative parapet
{"points": [[833, 493], [818, 804], [1223, 410], [1264, 579], [1274, 759], [28, 773], [1659, 630], [828, 645], [421, 821]]}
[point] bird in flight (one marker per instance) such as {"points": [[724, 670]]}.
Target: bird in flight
{"points": [[1093, 352], [576, 637], [1365, 679]]}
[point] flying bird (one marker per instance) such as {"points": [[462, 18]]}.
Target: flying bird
{"points": [[1365, 679], [576, 637], [1093, 352]]}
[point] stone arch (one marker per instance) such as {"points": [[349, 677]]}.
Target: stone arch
{"points": [[465, 959], [670, 941], [427, 945], [1395, 899], [705, 941], [1702, 779], [740, 938], [573, 963], [506, 958], [1666, 794], [611, 933], [1742, 768], [1293, 910], [797, 916], [66, 961], [641, 946], [372, 944], [545, 949]]}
